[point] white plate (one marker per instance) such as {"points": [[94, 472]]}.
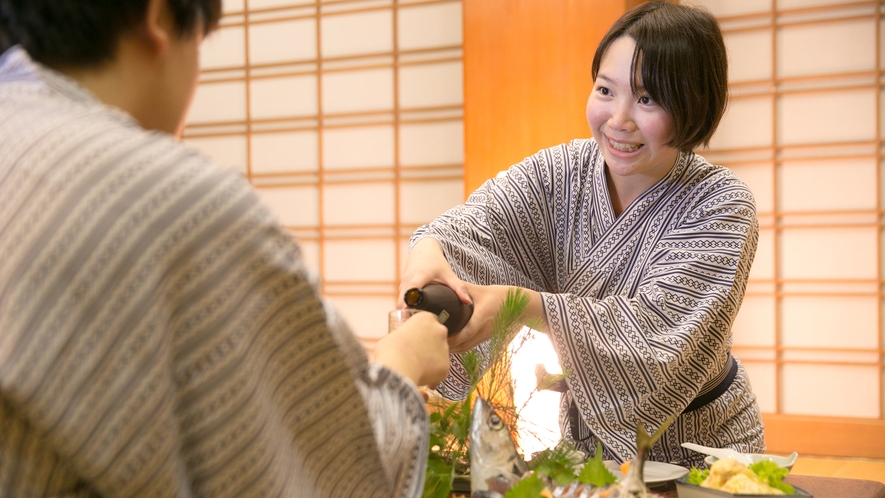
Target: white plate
{"points": [[653, 472]]}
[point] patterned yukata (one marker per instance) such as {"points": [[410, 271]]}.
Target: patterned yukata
{"points": [[639, 306], [159, 335]]}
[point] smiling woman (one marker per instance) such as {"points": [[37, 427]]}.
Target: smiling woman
{"points": [[634, 251]]}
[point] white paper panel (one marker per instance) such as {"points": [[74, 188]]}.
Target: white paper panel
{"points": [[843, 322], [826, 117], [355, 91], [763, 263], [218, 102], [229, 6], [722, 8], [224, 47], [747, 123], [361, 204], [429, 85], [293, 206], [428, 26], [358, 33], [422, 201], [283, 97], [404, 251], [760, 179], [432, 143], [839, 391], [366, 315], [360, 147], [763, 380], [282, 41], [359, 260], [229, 152], [828, 185], [754, 325], [310, 254], [749, 55], [826, 48], [286, 151], [267, 4], [828, 253]]}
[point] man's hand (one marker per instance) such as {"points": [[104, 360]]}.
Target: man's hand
{"points": [[417, 349]]}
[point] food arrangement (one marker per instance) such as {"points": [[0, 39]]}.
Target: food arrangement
{"points": [[729, 477], [497, 470], [765, 478]]}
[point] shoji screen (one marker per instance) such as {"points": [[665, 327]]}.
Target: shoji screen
{"points": [[346, 115], [803, 130]]}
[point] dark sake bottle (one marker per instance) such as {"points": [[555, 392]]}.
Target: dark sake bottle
{"points": [[441, 300]]}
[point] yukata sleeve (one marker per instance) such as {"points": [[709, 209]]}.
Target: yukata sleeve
{"points": [[504, 233], [292, 400], [642, 357], [395, 408]]}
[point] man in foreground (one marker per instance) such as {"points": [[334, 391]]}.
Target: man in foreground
{"points": [[159, 335]]}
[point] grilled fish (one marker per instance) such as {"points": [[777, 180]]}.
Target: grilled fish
{"points": [[495, 465]]}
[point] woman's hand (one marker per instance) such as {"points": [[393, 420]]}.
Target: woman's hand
{"points": [[487, 300], [417, 349], [425, 264]]}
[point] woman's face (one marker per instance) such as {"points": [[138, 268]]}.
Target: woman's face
{"points": [[632, 130]]}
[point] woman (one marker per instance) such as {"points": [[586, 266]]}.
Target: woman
{"points": [[634, 250]]}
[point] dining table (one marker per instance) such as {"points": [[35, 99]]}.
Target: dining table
{"points": [[816, 486]]}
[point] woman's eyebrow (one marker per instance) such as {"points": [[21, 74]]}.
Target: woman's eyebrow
{"points": [[606, 78]]}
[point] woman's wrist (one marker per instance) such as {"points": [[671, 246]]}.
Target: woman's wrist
{"points": [[535, 311]]}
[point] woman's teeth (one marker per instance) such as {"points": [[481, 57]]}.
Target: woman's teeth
{"points": [[624, 147]]}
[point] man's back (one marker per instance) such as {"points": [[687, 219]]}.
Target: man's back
{"points": [[157, 334]]}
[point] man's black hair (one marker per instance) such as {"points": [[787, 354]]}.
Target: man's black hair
{"points": [[86, 32]]}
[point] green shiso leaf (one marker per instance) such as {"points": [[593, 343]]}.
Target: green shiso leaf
{"points": [[594, 472], [557, 463], [529, 487]]}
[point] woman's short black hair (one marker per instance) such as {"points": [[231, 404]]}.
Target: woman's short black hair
{"points": [[680, 61], [86, 32]]}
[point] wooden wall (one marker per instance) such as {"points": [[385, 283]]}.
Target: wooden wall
{"points": [[527, 77]]}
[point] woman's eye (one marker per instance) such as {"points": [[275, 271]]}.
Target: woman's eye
{"points": [[645, 100], [604, 91]]}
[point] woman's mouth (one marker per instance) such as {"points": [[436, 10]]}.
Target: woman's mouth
{"points": [[623, 146]]}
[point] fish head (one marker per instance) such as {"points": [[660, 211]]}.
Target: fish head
{"points": [[495, 465]]}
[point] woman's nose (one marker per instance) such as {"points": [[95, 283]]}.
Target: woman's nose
{"points": [[621, 118]]}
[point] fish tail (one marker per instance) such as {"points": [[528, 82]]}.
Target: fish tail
{"points": [[644, 442]]}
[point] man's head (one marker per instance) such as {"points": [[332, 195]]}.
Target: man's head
{"points": [[141, 56], [80, 33]]}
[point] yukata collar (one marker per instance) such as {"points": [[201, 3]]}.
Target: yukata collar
{"points": [[683, 159], [17, 66]]}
